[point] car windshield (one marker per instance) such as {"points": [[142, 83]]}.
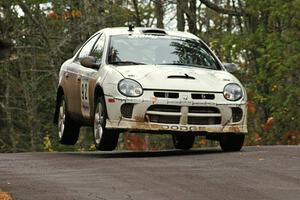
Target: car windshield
{"points": [[159, 50]]}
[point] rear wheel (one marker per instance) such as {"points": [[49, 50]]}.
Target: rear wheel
{"points": [[68, 131], [105, 140], [232, 142], [182, 141]]}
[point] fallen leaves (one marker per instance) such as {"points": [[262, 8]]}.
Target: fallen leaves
{"points": [[202, 141], [72, 13], [268, 125], [251, 107], [66, 15], [257, 137], [5, 196], [53, 15], [47, 144], [291, 137], [136, 142]]}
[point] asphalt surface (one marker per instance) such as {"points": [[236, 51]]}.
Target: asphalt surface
{"points": [[255, 173]]}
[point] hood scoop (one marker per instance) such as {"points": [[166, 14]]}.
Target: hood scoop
{"points": [[154, 31], [185, 76]]}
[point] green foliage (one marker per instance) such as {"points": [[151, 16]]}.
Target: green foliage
{"points": [[270, 63]]}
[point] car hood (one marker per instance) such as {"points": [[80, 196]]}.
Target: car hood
{"points": [[174, 77]]}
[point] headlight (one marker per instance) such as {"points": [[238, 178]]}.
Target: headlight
{"points": [[130, 88], [233, 92]]}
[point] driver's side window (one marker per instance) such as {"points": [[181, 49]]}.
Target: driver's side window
{"points": [[97, 51], [86, 49]]}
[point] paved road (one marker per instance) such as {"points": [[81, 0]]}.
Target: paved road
{"points": [[256, 173]]}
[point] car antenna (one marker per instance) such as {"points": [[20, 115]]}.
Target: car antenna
{"points": [[130, 27]]}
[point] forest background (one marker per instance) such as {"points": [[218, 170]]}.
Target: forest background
{"points": [[36, 36]]}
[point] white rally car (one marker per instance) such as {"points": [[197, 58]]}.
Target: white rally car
{"points": [[152, 81]]}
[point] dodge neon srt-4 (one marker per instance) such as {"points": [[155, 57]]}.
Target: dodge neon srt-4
{"points": [[152, 81]]}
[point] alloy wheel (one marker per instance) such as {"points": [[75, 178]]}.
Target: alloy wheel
{"points": [[98, 123], [61, 119]]}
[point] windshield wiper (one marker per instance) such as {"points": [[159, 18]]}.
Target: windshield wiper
{"points": [[126, 63]]}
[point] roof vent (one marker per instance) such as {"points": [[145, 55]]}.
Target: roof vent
{"points": [[154, 31]]}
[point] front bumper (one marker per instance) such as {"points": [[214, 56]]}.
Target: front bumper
{"points": [[201, 116]]}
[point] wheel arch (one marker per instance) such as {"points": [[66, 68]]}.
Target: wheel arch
{"points": [[97, 93], [59, 94]]}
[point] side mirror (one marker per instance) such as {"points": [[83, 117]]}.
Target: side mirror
{"points": [[89, 62], [230, 67]]}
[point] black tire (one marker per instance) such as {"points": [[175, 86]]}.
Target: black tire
{"points": [[68, 130], [230, 143], [104, 139], [182, 141]]}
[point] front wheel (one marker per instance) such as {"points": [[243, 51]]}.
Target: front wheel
{"points": [[182, 141], [232, 142], [104, 139]]}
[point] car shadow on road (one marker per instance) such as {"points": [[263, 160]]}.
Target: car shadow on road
{"points": [[143, 154]]}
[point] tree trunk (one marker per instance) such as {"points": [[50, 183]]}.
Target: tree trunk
{"points": [[229, 20], [180, 15], [200, 23], [159, 13], [191, 16], [138, 21], [240, 21], [10, 126]]}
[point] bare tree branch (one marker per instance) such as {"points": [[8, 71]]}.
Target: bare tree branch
{"points": [[27, 11], [137, 13], [219, 9]]}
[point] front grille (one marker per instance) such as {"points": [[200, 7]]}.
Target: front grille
{"points": [[202, 115], [195, 115], [166, 114], [164, 119], [126, 110], [171, 95], [204, 120], [164, 108], [203, 96], [203, 109], [237, 114]]}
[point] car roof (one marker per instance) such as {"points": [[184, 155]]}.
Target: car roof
{"points": [[142, 30]]}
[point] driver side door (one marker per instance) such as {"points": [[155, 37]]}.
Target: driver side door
{"points": [[75, 78], [89, 78]]}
